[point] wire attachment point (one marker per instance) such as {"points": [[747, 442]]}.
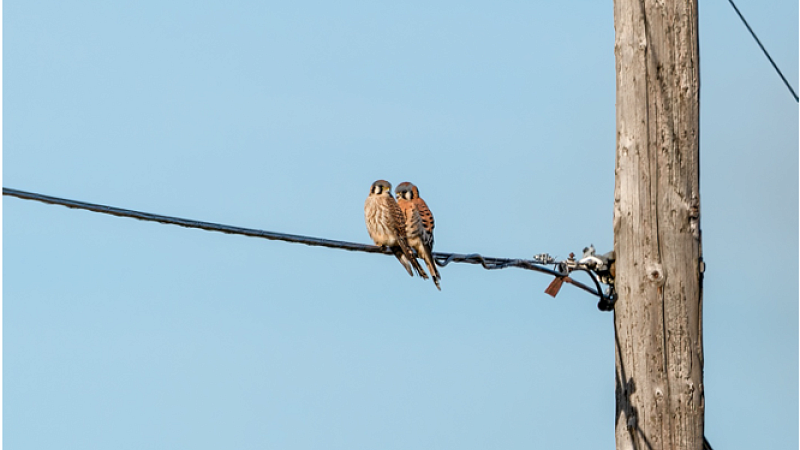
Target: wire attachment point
{"points": [[601, 269]]}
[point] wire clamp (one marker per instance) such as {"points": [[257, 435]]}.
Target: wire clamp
{"points": [[601, 268]]}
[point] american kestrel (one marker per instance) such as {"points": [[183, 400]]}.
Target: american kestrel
{"points": [[386, 225], [419, 225]]}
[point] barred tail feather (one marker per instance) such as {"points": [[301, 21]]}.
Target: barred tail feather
{"points": [[428, 257], [398, 253], [409, 255]]}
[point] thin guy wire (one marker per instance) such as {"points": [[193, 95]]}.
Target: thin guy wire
{"points": [[442, 259], [786, 82]]}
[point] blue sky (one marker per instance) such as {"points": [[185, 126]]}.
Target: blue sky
{"points": [[124, 334]]}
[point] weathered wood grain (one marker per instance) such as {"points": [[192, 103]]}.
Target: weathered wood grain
{"points": [[658, 316]]}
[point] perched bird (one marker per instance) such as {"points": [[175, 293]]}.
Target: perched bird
{"points": [[385, 224], [419, 226]]}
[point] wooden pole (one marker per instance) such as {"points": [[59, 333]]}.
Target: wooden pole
{"points": [[658, 314]]}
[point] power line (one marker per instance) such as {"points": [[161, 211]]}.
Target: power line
{"points": [[786, 82], [538, 264]]}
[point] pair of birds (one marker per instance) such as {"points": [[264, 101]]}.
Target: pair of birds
{"points": [[402, 225]]}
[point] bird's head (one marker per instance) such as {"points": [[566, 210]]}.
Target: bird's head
{"points": [[406, 191], [380, 187]]}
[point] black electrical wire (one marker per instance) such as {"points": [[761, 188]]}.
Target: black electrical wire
{"points": [[442, 259], [785, 81]]}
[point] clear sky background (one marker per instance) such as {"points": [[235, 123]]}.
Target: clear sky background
{"points": [[128, 335]]}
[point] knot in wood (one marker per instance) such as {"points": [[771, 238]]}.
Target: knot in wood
{"points": [[659, 393], [655, 274]]}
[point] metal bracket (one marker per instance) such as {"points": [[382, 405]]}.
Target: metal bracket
{"points": [[601, 269]]}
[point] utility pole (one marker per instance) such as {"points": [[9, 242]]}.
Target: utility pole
{"points": [[658, 314]]}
